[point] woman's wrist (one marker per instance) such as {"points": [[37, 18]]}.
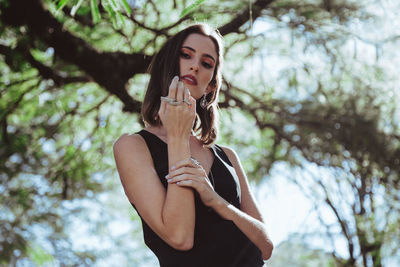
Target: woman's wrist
{"points": [[178, 150], [175, 141], [221, 206]]}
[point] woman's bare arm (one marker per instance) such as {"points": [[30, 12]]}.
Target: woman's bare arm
{"points": [[248, 219], [169, 213]]}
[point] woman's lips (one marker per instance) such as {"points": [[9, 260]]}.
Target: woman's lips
{"points": [[190, 79]]}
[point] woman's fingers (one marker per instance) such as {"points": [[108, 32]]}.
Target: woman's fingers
{"points": [[186, 170], [191, 179], [183, 177], [163, 106], [183, 163], [193, 176], [195, 173], [180, 93], [193, 104], [173, 88], [200, 183], [176, 89]]}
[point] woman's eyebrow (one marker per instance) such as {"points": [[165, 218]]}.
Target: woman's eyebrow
{"points": [[206, 55]]}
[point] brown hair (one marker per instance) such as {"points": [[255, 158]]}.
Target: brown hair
{"points": [[165, 65]]}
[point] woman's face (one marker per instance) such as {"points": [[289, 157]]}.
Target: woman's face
{"points": [[197, 63]]}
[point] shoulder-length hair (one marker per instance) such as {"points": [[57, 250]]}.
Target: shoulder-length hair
{"points": [[165, 65]]}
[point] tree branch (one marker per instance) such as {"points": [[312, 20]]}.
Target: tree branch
{"points": [[109, 69], [45, 71], [244, 16]]}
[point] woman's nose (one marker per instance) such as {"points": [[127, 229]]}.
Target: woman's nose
{"points": [[194, 67]]}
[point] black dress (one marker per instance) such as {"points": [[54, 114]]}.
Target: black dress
{"points": [[217, 242]]}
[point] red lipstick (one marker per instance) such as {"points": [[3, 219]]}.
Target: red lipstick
{"points": [[190, 79]]}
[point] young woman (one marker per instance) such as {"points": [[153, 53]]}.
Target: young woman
{"points": [[192, 195]]}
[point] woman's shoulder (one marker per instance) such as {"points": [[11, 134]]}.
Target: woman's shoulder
{"points": [[229, 152], [129, 142]]}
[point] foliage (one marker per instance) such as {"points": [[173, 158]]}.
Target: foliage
{"points": [[299, 81]]}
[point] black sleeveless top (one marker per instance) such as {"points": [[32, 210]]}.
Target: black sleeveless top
{"points": [[217, 242]]}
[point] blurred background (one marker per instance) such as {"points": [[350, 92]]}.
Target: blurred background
{"points": [[309, 102]]}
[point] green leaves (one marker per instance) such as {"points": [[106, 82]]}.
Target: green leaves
{"points": [[191, 7], [127, 7], [76, 7], [39, 255], [61, 4], [114, 9], [95, 11]]}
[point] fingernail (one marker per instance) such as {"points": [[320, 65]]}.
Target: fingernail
{"points": [[187, 91], [169, 180], [176, 78], [178, 183], [167, 176]]}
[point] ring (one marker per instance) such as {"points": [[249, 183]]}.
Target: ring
{"points": [[187, 102], [170, 101]]}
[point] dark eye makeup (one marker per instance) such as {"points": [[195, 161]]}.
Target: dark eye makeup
{"points": [[185, 55], [205, 64]]}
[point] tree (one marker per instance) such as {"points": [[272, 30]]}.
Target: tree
{"points": [[63, 72]]}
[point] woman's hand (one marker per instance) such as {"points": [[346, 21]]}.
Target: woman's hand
{"points": [[187, 173], [178, 119]]}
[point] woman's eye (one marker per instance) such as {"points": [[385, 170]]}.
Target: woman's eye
{"points": [[207, 65], [185, 55]]}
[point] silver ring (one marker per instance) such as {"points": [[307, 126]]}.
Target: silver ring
{"points": [[175, 103], [170, 101], [167, 99]]}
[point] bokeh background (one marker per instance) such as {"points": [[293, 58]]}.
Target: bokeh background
{"points": [[309, 102]]}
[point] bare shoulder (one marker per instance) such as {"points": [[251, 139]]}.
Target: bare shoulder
{"points": [[129, 143], [130, 152], [232, 155]]}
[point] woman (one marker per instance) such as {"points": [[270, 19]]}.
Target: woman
{"points": [[192, 195]]}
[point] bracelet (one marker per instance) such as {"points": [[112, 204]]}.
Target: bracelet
{"points": [[194, 161]]}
